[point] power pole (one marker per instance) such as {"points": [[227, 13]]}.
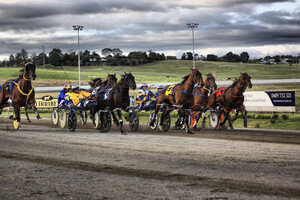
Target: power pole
{"points": [[43, 56]]}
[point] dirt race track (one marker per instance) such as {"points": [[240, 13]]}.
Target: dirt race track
{"points": [[40, 161]]}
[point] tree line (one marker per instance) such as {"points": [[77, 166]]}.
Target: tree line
{"points": [[112, 57], [115, 57]]}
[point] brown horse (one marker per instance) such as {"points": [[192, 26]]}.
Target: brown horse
{"points": [[180, 97], [200, 99], [21, 92], [230, 98]]}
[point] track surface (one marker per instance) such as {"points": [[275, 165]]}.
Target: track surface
{"points": [[40, 161]]}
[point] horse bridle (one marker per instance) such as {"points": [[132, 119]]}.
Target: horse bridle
{"points": [[27, 78]]}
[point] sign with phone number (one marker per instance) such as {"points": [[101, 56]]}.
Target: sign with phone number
{"points": [[270, 101]]}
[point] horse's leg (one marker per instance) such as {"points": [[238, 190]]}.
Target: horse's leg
{"points": [[226, 114], [186, 121], [26, 113], [121, 122], [231, 121], [37, 114], [116, 122], [244, 114], [180, 120], [155, 113]]}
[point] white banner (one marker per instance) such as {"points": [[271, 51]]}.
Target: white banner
{"points": [[270, 101]]}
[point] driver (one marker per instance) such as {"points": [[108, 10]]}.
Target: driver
{"points": [[143, 98]]}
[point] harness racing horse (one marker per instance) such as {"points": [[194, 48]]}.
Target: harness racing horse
{"points": [[20, 94], [119, 98], [181, 98], [200, 99], [98, 86], [231, 98]]}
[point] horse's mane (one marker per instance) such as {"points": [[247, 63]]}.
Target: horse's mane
{"points": [[185, 78], [95, 82], [235, 82]]}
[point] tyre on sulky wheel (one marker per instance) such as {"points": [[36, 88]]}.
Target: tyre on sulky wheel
{"points": [[55, 116], [133, 121], [72, 120], [166, 123]]}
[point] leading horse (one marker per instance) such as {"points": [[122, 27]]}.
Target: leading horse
{"points": [[20, 93], [180, 96], [230, 98]]}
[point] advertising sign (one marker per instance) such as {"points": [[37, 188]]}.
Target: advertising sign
{"points": [[270, 101], [46, 102]]}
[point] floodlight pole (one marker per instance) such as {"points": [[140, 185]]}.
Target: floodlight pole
{"points": [[78, 28], [193, 26]]}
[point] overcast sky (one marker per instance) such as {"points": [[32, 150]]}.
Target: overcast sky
{"points": [[259, 27]]}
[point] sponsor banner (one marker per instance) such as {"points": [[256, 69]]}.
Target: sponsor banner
{"points": [[270, 101], [46, 102]]}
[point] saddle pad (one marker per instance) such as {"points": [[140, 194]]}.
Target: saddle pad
{"points": [[107, 95], [169, 90], [219, 91], [10, 86]]}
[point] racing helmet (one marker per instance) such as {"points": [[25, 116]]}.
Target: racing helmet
{"points": [[66, 87], [144, 85], [160, 87], [75, 86]]}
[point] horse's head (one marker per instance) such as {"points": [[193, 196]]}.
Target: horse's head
{"points": [[111, 79], [210, 82], [95, 82], [129, 80], [245, 80], [29, 70], [197, 77]]}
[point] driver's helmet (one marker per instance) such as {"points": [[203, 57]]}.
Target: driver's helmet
{"points": [[144, 85], [66, 87], [75, 86], [160, 87]]}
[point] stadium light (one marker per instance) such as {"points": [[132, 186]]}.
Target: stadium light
{"points": [[193, 26], [78, 28]]}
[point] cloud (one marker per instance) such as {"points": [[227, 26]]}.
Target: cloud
{"points": [[156, 25]]}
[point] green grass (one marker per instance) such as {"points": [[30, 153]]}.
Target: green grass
{"points": [[164, 71]]}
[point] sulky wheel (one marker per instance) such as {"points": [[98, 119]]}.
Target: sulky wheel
{"points": [[55, 116], [83, 117], [151, 116], [133, 121], [72, 120], [63, 119], [166, 123], [97, 120], [214, 119]]}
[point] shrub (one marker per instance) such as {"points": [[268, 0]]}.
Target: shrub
{"points": [[273, 121], [257, 125], [285, 117], [275, 116]]}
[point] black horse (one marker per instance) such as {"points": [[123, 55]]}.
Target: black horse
{"points": [[118, 98]]}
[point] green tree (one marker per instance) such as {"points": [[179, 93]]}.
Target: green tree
{"points": [[56, 57], [106, 52], [244, 57]]}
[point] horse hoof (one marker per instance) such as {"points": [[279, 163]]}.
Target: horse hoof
{"points": [[29, 121], [16, 125], [123, 133], [196, 129], [190, 132]]}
